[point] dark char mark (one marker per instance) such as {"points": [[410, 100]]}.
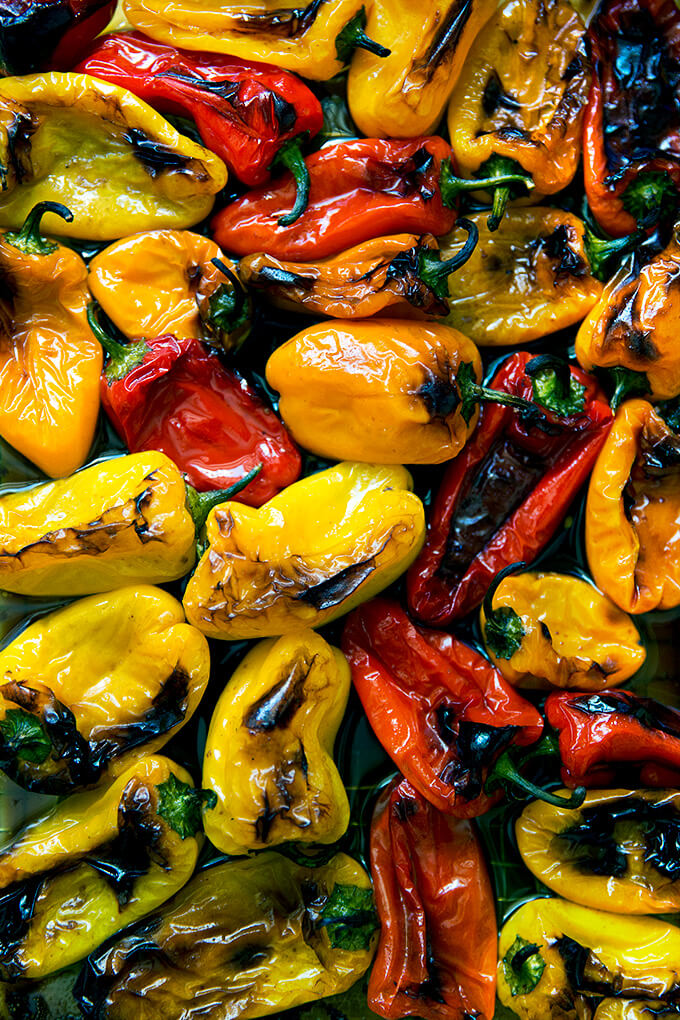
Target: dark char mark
{"points": [[154, 157]]}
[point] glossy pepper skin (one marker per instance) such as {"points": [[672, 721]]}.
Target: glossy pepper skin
{"points": [[167, 281], [35, 34], [404, 94], [386, 390], [49, 360], [525, 280], [88, 689], [97, 862], [553, 630], [505, 495], [632, 540], [436, 956], [441, 711], [269, 752], [358, 190], [245, 938], [631, 138], [115, 163], [618, 851], [558, 958], [315, 551]]}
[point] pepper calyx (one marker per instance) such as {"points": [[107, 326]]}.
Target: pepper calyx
{"points": [[290, 156], [554, 386], [180, 805], [505, 773], [503, 176], [199, 504], [226, 310], [28, 239], [353, 37], [650, 196], [23, 738], [349, 917], [627, 383], [503, 628], [122, 358], [600, 251], [523, 966], [435, 273]]}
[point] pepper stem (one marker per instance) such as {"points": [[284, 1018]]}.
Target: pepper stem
{"points": [[122, 358], [290, 156], [29, 239], [352, 37], [627, 383], [649, 196], [506, 773], [472, 393], [501, 174], [200, 504], [434, 273], [512, 568], [600, 251]]}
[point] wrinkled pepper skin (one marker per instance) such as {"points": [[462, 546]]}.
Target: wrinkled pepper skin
{"points": [[554, 630], [49, 361], [89, 689], [442, 712], [615, 736], [115, 163], [384, 390], [244, 112], [359, 190], [525, 280], [311, 554], [633, 324], [632, 538], [97, 862], [503, 497], [269, 752], [245, 938], [164, 281], [522, 93], [437, 951], [618, 852], [120, 521], [583, 962], [631, 137], [35, 34], [404, 95]]}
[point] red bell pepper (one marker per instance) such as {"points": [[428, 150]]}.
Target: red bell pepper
{"points": [[36, 34], [437, 952], [176, 396], [504, 496]]}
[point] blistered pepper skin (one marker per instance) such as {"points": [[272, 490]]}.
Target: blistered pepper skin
{"points": [[246, 938], [115, 163], [614, 853], [383, 390], [106, 680], [97, 862], [121, 521], [319, 548], [269, 752]]}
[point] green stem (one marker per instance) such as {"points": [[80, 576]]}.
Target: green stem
{"points": [[627, 383], [505, 772], [353, 37], [501, 174], [122, 358], [513, 568], [290, 156], [472, 393], [29, 239], [651, 195], [434, 273], [600, 251], [200, 504]]}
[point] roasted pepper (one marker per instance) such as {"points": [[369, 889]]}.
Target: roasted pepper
{"points": [[404, 94], [244, 939], [506, 494], [441, 711], [91, 688], [553, 630], [632, 538], [35, 34], [49, 361], [631, 134], [530, 278], [308, 556], [269, 752], [176, 396], [437, 951], [520, 99], [316, 40], [128, 520], [115, 163], [561, 959], [95, 863], [181, 283], [403, 276], [619, 851]]}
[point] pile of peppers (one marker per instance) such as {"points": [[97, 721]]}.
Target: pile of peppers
{"points": [[339, 509]]}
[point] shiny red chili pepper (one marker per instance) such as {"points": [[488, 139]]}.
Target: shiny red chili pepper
{"points": [[437, 952], [35, 34], [176, 396], [504, 496], [442, 712]]}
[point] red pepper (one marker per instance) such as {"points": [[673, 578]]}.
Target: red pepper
{"points": [[615, 737], [254, 116], [437, 952], [440, 709], [36, 34], [504, 496], [631, 142], [176, 396]]}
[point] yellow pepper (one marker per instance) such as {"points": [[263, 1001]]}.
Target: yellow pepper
{"points": [[617, 852], [552, 630], [269, 753], [92, 687], [322, 546], [112, 160]]}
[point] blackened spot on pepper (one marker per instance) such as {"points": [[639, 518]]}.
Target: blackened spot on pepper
{"points": [[277, 707], [658, 451], [650, 714], [557, 246], [439, 396], [494, 96], [285, 23], [29, 33], [592, 847], [445, 39], [336, 589], [545, 631], [285, 114], [155, 157], [477, 747], [404, 808], [405, 179], [272, 274], [446, 723], [17, 905], [223, 88], [101, 971], [574, 67]]}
